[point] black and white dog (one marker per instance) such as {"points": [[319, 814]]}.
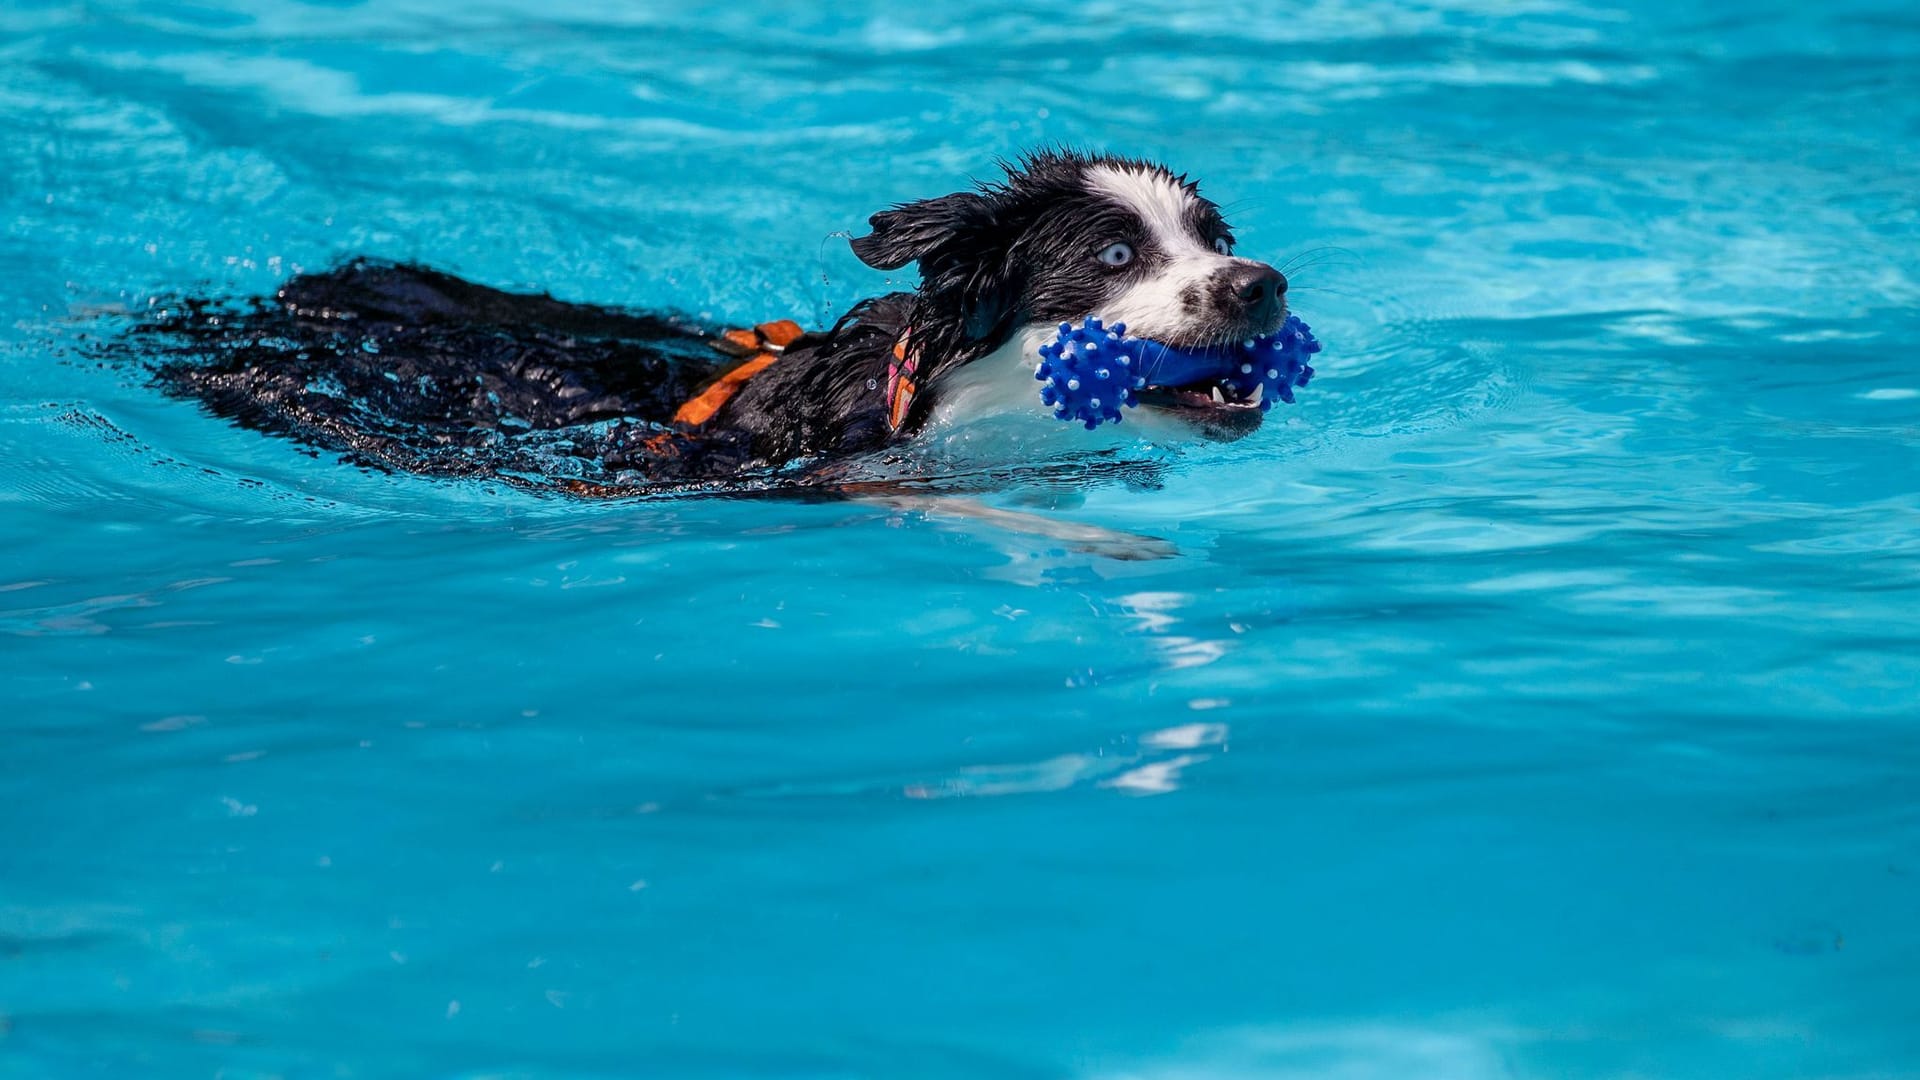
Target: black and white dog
{"points": [[406, 368]]}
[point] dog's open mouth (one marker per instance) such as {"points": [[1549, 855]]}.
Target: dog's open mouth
{"points": [[1196, 385], [1194, 381], [1226, 386], [1203, 395], [1211, 408]]}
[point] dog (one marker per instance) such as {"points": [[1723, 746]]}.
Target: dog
{"points": [[401, 367]]}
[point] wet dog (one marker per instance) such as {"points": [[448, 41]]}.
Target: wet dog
{"points": [[406, 368]]}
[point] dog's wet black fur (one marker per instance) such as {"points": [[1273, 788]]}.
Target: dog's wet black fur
{"points": [[406, 368]]}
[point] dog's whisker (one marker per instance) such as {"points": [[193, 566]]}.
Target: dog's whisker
{"points": [[1326, 255], [1333, 292], [1327, 248]]}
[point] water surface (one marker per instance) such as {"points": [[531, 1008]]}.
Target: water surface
{"points": [[1537, 698]]}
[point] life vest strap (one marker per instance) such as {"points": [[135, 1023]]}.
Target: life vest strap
{"points": [[760, 347], [902, 382]]}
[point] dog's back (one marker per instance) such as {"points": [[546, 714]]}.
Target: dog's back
{"points": [[402, 367]]}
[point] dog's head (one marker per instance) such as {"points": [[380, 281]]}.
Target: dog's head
{"points": [[1066, 236]]}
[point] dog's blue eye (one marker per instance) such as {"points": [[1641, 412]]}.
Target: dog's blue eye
{"points": [[1116, 254], [1223, 245]]}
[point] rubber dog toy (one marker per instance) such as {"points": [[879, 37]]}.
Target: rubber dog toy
{"points": [[1090, 372]]}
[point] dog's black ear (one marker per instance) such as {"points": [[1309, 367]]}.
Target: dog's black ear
{"points": [[908, 232]]}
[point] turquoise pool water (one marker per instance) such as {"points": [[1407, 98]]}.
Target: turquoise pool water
{"points": [[1540, 697]]}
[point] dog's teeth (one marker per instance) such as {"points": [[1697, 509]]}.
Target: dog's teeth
{"points": [[1218, 397]]}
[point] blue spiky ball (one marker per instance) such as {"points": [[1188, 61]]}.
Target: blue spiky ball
{"points": [[1092, 371], [1086, 374]]}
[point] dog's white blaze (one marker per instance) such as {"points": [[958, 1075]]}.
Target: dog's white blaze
{"points": [[1154, 306], [1159, 200]]}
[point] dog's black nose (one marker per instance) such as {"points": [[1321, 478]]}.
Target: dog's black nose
{"points": [[1259, 287]]}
